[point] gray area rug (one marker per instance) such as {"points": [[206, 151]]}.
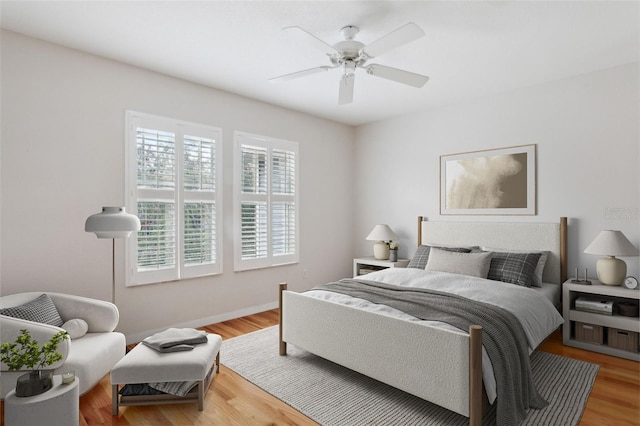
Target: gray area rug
{"points": [[333, 395]]}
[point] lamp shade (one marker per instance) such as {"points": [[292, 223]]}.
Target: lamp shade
{"points": [[382, 233], [112, 222], [611, 243]]}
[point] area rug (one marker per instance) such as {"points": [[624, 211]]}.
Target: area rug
{"points": [[333, 395]]}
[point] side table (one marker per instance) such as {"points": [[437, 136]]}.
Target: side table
{"points": [[361, 265], [60, 405], [614, 334]]}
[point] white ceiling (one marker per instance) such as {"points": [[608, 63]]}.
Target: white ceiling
{"points": [[471, 48]]}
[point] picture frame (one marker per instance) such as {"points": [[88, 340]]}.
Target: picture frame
{"points": [[498, 181]]}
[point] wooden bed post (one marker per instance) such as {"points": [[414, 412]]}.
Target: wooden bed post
{"points": [[563, 250], [419, 231], [283, 344], [475, 375]]}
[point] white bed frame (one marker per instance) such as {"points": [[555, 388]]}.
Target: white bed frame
{"points": [[440, 366]]}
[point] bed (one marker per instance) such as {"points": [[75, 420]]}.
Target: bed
{"points": [[436, 362]]}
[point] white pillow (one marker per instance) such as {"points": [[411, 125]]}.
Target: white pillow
{"points": [[472, 264], [76, 328], [537, 275]]}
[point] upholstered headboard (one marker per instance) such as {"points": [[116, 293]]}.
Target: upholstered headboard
{"points": [[509, 235]]}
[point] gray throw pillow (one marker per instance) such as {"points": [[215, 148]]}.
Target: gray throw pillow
{"points": [[472, 264], [40, 309], [514, 268], [421, 257]]}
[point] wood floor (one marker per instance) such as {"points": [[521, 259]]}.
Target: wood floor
{"points": [[614, 400]]}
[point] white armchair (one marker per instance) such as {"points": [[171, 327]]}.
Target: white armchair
{"points": [[91, 356]]}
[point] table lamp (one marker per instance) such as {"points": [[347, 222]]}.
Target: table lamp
{"points": [[383, 235], [610, 270]]}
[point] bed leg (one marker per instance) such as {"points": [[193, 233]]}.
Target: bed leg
{"points": [[475, 375], [283, 344]]}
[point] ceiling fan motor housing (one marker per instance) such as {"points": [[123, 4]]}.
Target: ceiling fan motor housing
{"points": [[348, 50]]}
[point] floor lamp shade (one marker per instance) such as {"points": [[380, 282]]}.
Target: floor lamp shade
{"points": [[611, 271], [112, 222]]}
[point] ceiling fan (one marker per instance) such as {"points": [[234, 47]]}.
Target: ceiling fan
{"points": [[350, 54]]}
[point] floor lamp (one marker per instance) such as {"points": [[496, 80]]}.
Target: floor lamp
{"points": [[112, 222]]}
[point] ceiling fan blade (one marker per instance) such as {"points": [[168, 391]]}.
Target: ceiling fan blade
{"points": [[319, 44], [401, 76], [302, 73], [345, 95], [395, 38]]}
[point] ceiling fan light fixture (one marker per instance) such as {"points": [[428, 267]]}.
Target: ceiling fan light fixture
{"points": [[349, 68]]}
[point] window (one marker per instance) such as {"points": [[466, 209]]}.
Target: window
{"points": [[173, 175], [265, 201]]}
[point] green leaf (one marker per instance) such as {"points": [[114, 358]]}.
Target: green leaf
{"points": [[26, 352]]}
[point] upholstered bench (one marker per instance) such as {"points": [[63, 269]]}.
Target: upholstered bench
{"points": [[145, 365]]}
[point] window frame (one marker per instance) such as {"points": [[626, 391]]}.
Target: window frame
{"points": [[179, 196], [243, 138]]}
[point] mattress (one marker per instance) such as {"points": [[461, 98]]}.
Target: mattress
{"points": [[551, 292]]}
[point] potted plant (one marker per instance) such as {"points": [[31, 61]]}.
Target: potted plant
{"points": [[26, 352]]}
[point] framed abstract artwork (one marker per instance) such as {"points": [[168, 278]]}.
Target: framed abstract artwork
{"points": [[489, 182]]}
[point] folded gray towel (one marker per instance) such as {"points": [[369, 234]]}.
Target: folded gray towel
{"points": [[175, 339], [174, 388]]}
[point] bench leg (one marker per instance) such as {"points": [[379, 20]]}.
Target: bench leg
{"points": [[201, 395], [114, 400], [218, 362]]}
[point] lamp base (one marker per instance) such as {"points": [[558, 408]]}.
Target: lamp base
{"points": [[381, 250], [611, 271]]}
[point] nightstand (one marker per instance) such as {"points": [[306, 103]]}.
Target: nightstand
{"points": [[364, 265], [613, 334]]}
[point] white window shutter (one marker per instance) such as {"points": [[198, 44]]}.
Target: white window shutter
{"points": [[265, 199], [173, 170]]}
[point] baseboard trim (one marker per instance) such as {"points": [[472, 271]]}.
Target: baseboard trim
{"points": [[137, 337]]}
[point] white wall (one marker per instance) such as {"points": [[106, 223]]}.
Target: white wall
{"points": [[63, 159], [588, 159]]}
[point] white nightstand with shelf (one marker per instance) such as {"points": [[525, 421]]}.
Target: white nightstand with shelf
{"points": [[364, 265], [596, 331]]}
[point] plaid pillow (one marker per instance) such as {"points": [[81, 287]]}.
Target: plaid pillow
{"points": [[40, 310], [544, 255], [514, 268], [421, 257]]}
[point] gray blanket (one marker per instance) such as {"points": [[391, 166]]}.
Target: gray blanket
{"points": [[503, 337], [175, 339]]}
